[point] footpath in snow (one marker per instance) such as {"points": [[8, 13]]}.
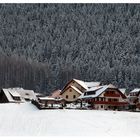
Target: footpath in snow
{"points": [[27, 120]]}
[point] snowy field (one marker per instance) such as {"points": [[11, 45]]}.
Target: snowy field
{"points": [[27, 120]]}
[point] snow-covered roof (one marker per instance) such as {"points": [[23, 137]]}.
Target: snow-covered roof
{"points": [[123, 90], [93, 88], [14, 93], [7, 94], [92, 84], [10, 93], [39, 94], [73, 87], [48, 98], [87, 85], [98, 91], [135, 90], [82, 83], [76, 89], [19, 92], [111, 86], [27, 94]]}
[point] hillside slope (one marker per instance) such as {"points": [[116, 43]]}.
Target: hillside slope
{"points": [[91, 42]]}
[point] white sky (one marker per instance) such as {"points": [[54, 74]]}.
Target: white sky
{"points": [[69, 1]]}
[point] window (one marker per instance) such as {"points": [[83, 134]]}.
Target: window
{"points": [[66, 96], [101, 106], [91, 93], [115, 100], [16, 98], [74, 96], [70, 90], [109, 100], [27, 94], [102, 99]]}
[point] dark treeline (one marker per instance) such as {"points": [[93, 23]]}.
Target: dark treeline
{"points": [[19, 72], [42, 46]]}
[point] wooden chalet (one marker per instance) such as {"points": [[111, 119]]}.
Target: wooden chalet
{"points": [[79, 84], [75, 88], [71, 94], [106, 97]]}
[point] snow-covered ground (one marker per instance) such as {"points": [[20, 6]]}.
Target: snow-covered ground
{"points": [[26, 119]]}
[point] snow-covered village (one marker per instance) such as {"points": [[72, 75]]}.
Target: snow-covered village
{"points": [[77, 94], [88, 107], [69, 69]]}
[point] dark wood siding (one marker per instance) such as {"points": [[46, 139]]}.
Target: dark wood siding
{"points": [[3, 98]]}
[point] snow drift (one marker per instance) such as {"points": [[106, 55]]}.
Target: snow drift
{"points": [[26, 120]]}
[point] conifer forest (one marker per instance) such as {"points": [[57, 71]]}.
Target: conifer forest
{"points": [[42, 46]]}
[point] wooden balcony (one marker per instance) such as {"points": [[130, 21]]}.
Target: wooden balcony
{"points": [[110, 103]]}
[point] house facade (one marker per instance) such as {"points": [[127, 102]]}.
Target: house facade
{"points": [[106, 97], [79, 84], [75, 88], [134, 98], [70, 94]]}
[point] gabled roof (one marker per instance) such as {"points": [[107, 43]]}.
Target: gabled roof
{"points": [[8, 96], [55, 94], [85, 85], [27, 94], [111, 86], [19, 92], [92, 84], [135, 90], [93, 88], [99, 90], [14, 93], [49, 99], [82, 83], [74, 88], [123, 90], [9, 93]]}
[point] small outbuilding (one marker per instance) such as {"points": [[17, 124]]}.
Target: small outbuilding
{"points": [[10, 96], [48, 103], [56, 94], [134, 98]]}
